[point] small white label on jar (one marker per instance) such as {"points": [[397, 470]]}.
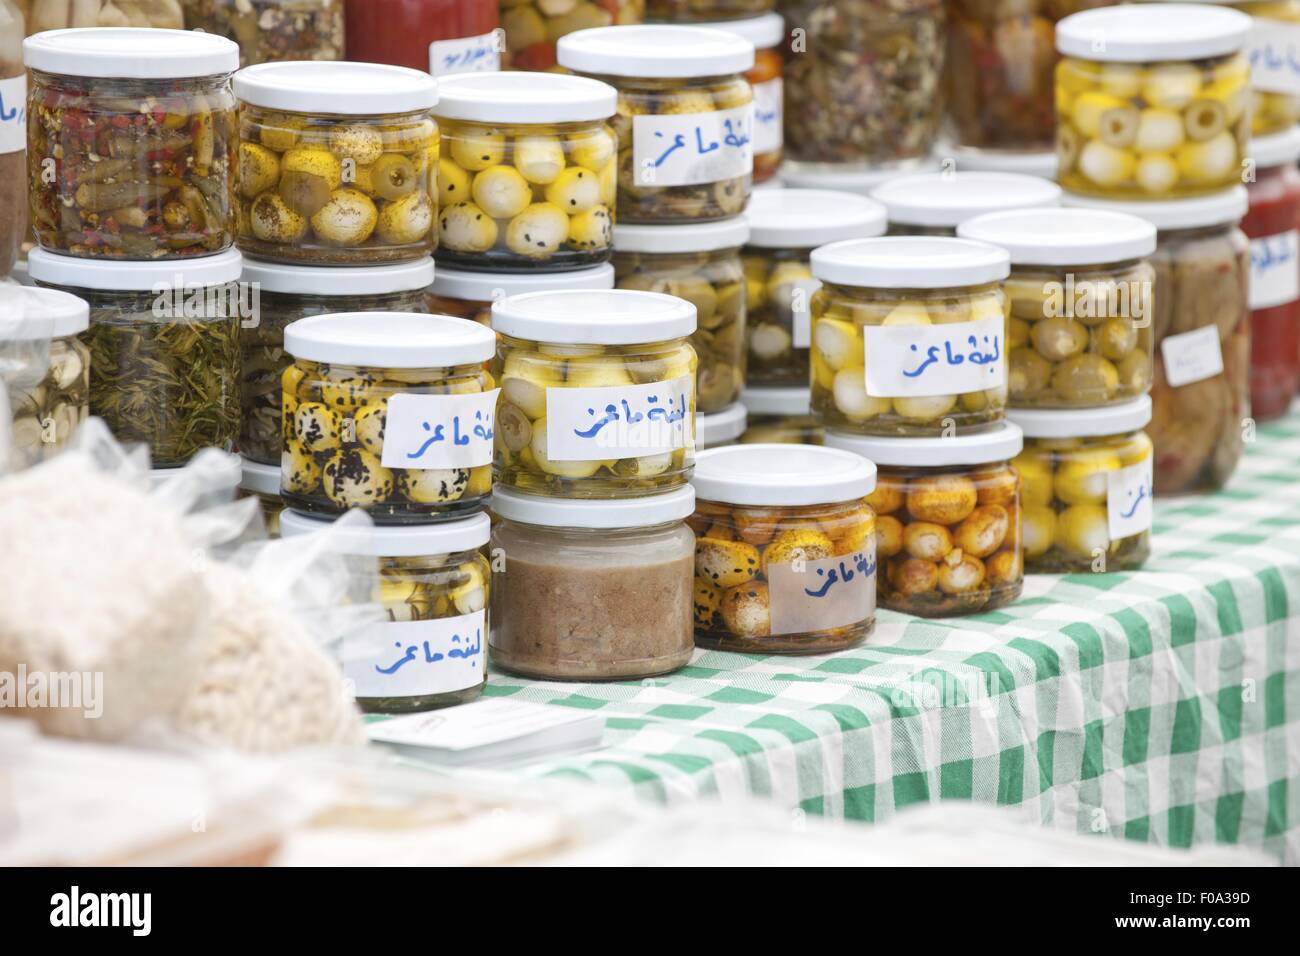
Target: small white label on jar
{"points": [[439, 431], [416, 658], [801, 293], [13, 114], [920, 360], [1192, 356], [1274, 53], [768, 116], [807, 596], [619, 421], [1275, 270], [480, 54], [1128, 499], [689, 149]]}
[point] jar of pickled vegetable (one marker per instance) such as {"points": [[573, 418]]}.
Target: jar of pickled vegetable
{"points": [[1086, 488], [441, 36], [685, 122], [720, 428], [781, 415], [863, 81], [767, 33], [527, 178], [935, 204], [785, 549], [263, 483], [432, 582], [387, 411], [948, 526], [268, 30], [13, 136], [533, 27], [288, 293], [785, 226], [1274, 80], [1273, 225], [131, 138], [677, 11], [1152, 100], [164, 347], [597, 393], [909, 336], [59, 15], [337, 163], [701, 264], [469, 295], [1081, 295]]}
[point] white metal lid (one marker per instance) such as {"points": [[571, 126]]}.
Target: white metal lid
{"points": [[396, 541], [389, 340], [781, 474], [491, 286], [1213, 210], [1082, 422], [259, 478], [119, 275], [1276, 149], [807, 218], [1149, 32], [910, 262], [1063, 237], [860, 181], [594, 317], [655, 51], [947, 199], [778, 401], [972, 160], [129, 53], [1000, 444], [721, 427], [29, 314], [337, 87], [687, 237], [764, 32], [328, 280], [522, 97], [644, 512]]}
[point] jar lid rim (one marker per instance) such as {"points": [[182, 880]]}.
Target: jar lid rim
{"points": [[473, 286], [775, 474], [1154, 32], [594, 514], [910, 262], [397, 340], [1067, 236], [336, 87], [777, 400], [524, 98], [395, 541], [982, 448], [655, 51], [29, 313], [1082, 422], [332, 281], [721, 427], [1216, 209], [122, 275], [947, 199], [808, 218], [594, 317], [130, 53], [682, 237]]}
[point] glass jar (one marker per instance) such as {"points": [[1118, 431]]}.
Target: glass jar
{"points": [[1081, 295], [592, 590], [263, 483], [1041, 164], [1160, 109], [908, 336], [720, 428], [785, 226], [44, 368], [935, 204], [782, 415], [785, 549], [469, 295], [268, 30], [597, 393], [288, 293], [766, 79], [864, 85], [139, 127], [684, 124], [372, 395], [55, 15], [860, 182], [1086, 486], [440, 36], [1274, 81], [1273, 225], [947, 520], [13, 136], [337, 163], [432, 582], [527, 178], [678, 11], [533, 27], [164, 347], [701, 264]]}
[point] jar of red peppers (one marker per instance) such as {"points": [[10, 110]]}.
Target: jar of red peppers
{"points": [[767, 33], [438, 36], [1273, 226]]}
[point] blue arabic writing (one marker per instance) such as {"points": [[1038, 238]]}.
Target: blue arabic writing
{"points": [[1271, 252], [1272, 60], [933, 355], [437, 433], [1142, 492], [431, 656], [862, 565], [654, 413], [736, 137]]}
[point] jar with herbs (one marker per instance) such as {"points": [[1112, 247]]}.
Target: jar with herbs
{"points": [[935, 204], [781, 415], [767, 33], [909, 336], [948, 534], [1274, 80], [440, 36], [263, 483], [432, 583], [337, 163], [1086, 484], [592, 590], [45, 15], [268, 30], [469, 295], [131, 140], [1160, 109], [528, 177], [13, 136], [785, 225], [701, 264], [720, 428], [1082, 295], [392, 412], [533, 27], [677, 11], [685, 122], [286, 294]]}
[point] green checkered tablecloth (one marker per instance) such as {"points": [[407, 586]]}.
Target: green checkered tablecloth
{"points": [[1162, 706]]}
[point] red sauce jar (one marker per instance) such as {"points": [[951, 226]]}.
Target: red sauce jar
{"points": [[1273, 225], [433, 36]]}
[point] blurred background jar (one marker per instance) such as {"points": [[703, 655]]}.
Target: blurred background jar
{"points": [[1271, 49], [532, 27], [13, 136], [680, 11], [61, 14], [781, 415], [720, 428], [935, 204], [767, 33], [434, 36], [269, 30], [469, 295]]}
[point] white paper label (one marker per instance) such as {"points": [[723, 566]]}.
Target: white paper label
{"points": [[1192, 356], [801, 293], [1274, 53], [415, 658], [918, 360], [1275, 270], [13, 114], [820, 595], [1128, 499], [480, 54], [689, 149], [768, 116], [619, 421], [439, 431]]}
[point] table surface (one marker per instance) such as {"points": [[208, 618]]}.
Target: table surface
{"points": [[1159, 705]]}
